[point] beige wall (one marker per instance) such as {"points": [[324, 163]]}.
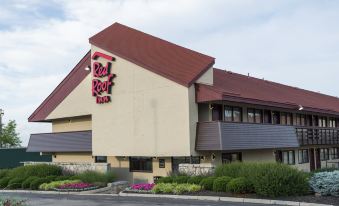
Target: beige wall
{"points": [[72, 124], [72, 157], [149, 115], [120, 165], [207, 77]]}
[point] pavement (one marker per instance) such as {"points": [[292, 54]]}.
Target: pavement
{"points": [[103, 200]]}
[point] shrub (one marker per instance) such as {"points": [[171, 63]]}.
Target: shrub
{"points": [[3, 173], [325, 170], [274, 180], [220, 183], [27, 183], [60, 178], [40, 170], [56, 184], [165, 180], [4, 182], [37, 182], [175, 188], [325, 183], [207, 183], [268, 179], [195, 180], [94, 177], [240, 185], [164, 187], [180, 179], [15, 183]]}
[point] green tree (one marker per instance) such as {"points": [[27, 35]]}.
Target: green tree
{"points": [[9, 137]]}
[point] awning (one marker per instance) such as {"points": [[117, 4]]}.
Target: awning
{"points": [[221, 136], [61, 142]]}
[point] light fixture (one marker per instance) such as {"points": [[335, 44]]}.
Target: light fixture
{"points": [[300, 107], [88, 68]]}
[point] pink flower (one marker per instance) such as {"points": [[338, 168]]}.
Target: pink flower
{"points": [[142, 186]]}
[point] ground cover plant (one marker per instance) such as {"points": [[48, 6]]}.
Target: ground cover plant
{"points": [[76, 187], [56, 184], [325, 183], [175, 188]]}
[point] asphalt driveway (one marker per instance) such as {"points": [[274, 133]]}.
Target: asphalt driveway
{"points": [[95, 200]]}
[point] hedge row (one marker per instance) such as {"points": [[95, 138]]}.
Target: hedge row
{"points": [[265, 179]]}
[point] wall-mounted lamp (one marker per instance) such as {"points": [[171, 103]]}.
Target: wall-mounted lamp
{"points": [[88, 68], [300, 107], [210, 106]]}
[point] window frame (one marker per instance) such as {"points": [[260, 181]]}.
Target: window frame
{"points": [[140, 159], [303, 156], [288, 157], [96, 159], [231, 109], [324, 154]]}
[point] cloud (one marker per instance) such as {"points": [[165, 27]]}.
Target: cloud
{"points": [[292, 42]]}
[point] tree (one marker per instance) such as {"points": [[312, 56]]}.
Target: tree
{"points": [[9, 137]]}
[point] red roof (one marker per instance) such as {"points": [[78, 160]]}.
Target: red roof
{"points": [[169, 60], [72, 80], [241, 88]]}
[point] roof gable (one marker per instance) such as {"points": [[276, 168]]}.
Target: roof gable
{"points": [[174, 62], [253, 90], [71, 81]]}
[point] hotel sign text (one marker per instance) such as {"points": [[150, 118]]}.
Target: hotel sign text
{"points": [[102, 81]]}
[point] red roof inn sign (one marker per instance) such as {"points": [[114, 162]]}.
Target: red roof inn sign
{"points": [[102, 81]]}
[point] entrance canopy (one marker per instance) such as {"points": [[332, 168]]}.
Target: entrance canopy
{"points": [[61, 142]]}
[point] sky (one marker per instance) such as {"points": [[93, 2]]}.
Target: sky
{"points": [[294, 42]]}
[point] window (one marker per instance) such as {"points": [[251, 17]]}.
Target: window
{"points": [[303, 156], [276, 117], [322, 122], [216, 112], [140, 164], [100, 159], [231, 157], [288, 157], [332, 122], [267, 117], [254, 115], [334, 153], [324, 154], [162, 163], [233, 114], [301, 119], [286, 118]]}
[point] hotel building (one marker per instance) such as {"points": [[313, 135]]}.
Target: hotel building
{"points": [[144, 105]]}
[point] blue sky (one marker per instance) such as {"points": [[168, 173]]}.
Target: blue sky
{"points": [[294, 42]]}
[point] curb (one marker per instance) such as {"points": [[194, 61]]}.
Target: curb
{"points": [[183, 197], [225, 199]]}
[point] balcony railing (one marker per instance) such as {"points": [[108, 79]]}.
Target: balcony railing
{"points": [[317, 135]]}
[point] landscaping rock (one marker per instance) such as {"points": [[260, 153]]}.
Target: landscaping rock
{"points": [[119, 186]]}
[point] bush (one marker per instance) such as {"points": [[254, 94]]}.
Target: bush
{"points": [[240, 185], [220, 183], [55, 184], [195, 180], [40, 170], [175, 188], [3, 173], [60, 178], [180, 179], [37, 182], [95, 177], [15, 183], [207, 183], [325, 183], [27, 183], [165, 180], [325, 170], [268, 179], [4, 182]]}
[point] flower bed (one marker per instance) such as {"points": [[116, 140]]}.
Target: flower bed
{"points": [[76, 187], [140, 188]]}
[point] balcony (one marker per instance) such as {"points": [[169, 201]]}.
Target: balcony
{"points": [[317, 136]]}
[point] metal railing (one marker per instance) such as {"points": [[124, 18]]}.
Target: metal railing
{"points": [[317, 135]]}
